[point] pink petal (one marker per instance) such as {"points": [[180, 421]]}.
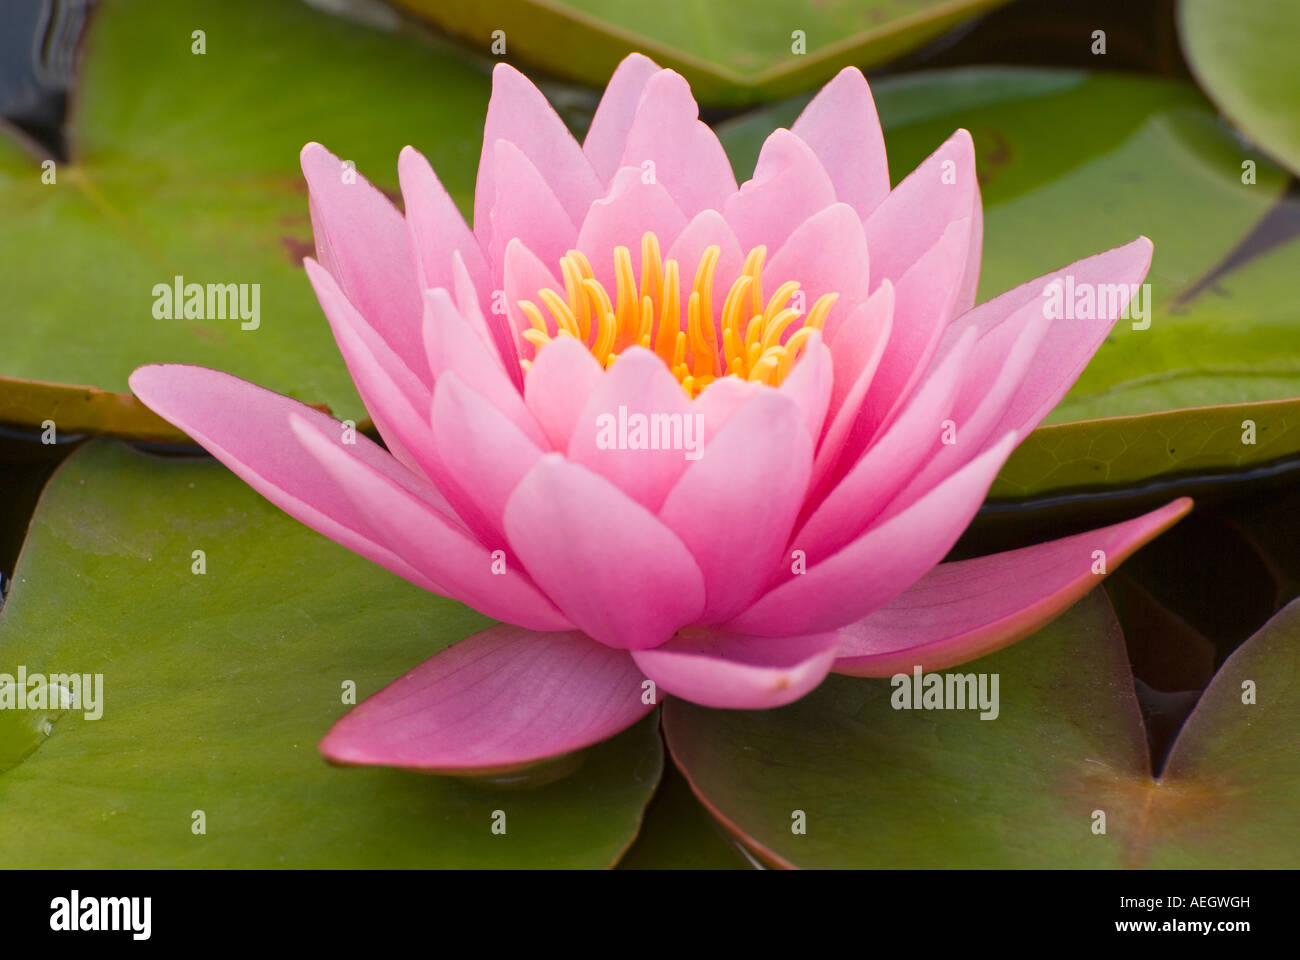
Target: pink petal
{"points": [[362, 241], [876, 477], [924, 301], [917, 212], [999, 364], [520, 114], [614, 569], [493, 702], [809, 385], [607, 134], [1070, 343], [881, 563], [525, 276], [484, 453], [437, 230], [394, 397], [453, 344], [493, 329], [969, 608], [632, 206], [638, 383], [722, 398], [540, 223], [788, 186], [707, 229], [841, 127], [825, 254], [558, 386], [734, 507], [686, 155], [480, 574], [859, 345], [737, 672]]}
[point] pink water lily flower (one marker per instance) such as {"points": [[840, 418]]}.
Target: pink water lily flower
{"points": [[681, 437]]}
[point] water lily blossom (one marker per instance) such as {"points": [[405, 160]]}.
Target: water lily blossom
{"points": [[682, 437]]}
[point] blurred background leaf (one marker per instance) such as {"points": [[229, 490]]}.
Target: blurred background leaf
{"points": [[1244, 55], [187, 164], [733, 52]]}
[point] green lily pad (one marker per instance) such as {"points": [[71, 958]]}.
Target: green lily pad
{"points": [[732, 51], [186, 164], [884, 787], [1072, 163], [679, 834], [217, 687], [1244, 56]]}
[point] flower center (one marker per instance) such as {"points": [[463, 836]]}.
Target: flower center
{"points": [[753, 343]]}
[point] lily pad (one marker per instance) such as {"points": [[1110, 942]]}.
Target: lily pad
{"points": [[185, 163], [1071, 163], [732, 51], [885, 787], [217, 687], [1244, 56]]}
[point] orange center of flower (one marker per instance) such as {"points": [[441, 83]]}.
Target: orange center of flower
{"points": [[749, 340]]}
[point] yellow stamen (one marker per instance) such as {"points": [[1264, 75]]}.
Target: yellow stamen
{"points": [[744, 340]]}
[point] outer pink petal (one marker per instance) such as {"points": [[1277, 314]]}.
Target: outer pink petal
{"points": [[640, 383], [520, 114], [734, 507], [526, 208], [394, 397], [969, 608], [494, 702], [437, 230], [999, 364], [881, 563], [841, 126], [788, 186], [484, 453], [558, 386], [733, 671], [859, 345], [454, 344], [916, 213], [825, 254], [614, 569], [1070, 343], [247, 428], [875, 478], [924, 301], [607, 135], [462, 567], [631, 207], [362, 240], [688, 159]]}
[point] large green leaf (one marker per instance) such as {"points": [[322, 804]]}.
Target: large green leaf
{"points": [[1244, 56], [1072, 163], [187, 164], [732, 51], [885, 787], [218, 686]]}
